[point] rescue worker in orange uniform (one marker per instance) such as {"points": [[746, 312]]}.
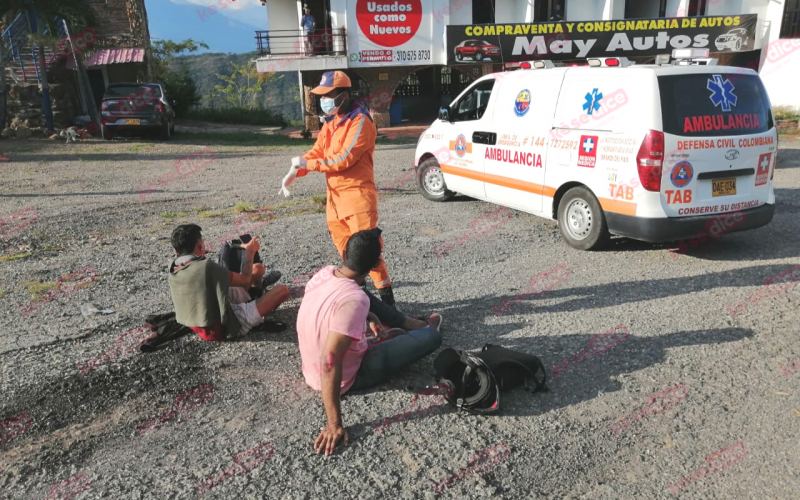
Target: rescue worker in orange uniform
{"points": [[343, 152]]}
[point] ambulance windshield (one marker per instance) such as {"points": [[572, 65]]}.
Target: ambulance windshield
{"points": [[711, 105]]}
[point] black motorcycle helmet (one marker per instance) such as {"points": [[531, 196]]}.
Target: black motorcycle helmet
{"points": [[471, 385]]}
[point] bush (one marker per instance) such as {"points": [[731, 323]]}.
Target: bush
{"points": [[785, 113], [239, 116], [181, 89]]}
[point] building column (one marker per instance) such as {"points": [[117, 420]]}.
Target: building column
{"points": [[310, 116]]}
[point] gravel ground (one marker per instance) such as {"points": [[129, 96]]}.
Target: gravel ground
{"points": [[558, 444]]}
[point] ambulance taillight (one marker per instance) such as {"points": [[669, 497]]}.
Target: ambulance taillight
{"points": [[650, 159]]}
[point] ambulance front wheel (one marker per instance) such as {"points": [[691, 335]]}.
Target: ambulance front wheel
{"points": [[430, 181], [581, 220]]}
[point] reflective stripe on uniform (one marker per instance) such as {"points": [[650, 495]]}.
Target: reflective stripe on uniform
{"points": [[349, 147]]}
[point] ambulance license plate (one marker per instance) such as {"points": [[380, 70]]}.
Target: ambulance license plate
{"points": [[132, 122], [723, 187]]}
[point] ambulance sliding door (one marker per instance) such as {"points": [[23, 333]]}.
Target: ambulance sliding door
{"points": [[463, 172], [524, 107]]}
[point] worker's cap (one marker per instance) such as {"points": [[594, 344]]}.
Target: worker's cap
{"points": [[332, 80], [305, 6]]}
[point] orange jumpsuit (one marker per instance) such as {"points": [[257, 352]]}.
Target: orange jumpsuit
{"points": [[344, 151]]}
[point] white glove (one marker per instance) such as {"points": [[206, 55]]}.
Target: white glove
{"points": [[288, 179], [299, 161]]}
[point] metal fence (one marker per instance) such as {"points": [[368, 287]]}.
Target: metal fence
{"points": [[323, 42]]}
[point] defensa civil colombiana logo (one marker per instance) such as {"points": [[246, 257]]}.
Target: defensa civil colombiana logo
{"points": [[461, 146], [682, 174], [523, 102]]}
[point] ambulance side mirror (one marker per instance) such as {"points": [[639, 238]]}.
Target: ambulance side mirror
{"points": [[444, 114]]}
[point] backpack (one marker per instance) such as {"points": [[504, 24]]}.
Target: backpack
{"points": [[514, 368], [231, 257]]}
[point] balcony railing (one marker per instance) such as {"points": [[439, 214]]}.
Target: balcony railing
{"points": [[323, 42]]}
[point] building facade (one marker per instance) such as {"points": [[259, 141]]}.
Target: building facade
{"points": [[123, 51], [408, 57]]}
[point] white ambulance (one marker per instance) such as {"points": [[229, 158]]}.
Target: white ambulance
{"points": [[652, 152]]}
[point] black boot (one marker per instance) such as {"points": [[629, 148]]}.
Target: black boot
{"points": [[387, 296]]}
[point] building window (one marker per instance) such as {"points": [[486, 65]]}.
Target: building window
{"points": [[483, 12], [453, 82], [643, 9], [409, 87], [790, 25], [697, 8], [546, 10]]}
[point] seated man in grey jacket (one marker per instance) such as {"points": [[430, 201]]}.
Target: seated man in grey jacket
{"points": [[212, 300]]}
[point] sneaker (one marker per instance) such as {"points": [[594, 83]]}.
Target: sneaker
{"points": [[270, 279], [435, 321]]}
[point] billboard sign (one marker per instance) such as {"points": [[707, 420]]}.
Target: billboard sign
{"points": [[389, 32], [580, 40]]}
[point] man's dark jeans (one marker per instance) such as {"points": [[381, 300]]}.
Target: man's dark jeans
{"points": [[387, 359]]}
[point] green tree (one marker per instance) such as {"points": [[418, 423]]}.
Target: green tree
{"points": [[244, 85], [179, 85], [164, 52]]}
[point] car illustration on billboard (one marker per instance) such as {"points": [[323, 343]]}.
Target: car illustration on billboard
{"points": [[477, 50], [735, 39]]}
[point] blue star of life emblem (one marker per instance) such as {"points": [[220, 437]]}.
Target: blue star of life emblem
{"points": [[592, 101], [722, 92]]}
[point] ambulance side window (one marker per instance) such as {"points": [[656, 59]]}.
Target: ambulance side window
{"points": [[474, 103]]}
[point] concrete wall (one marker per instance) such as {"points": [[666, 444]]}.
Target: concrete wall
{"points": [[780, 57], [613, 9], [513, 11], [673, 8], [284, 16], [460, 12]]}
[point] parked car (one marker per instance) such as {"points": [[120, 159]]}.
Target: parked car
{"points": [[136, 108], [734, 39], [655, 153], [477, 50]]}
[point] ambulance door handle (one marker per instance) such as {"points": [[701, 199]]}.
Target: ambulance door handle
{"points": [[484, 138]]}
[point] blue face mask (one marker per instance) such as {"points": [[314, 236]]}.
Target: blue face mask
{"points": [[328, 105]]}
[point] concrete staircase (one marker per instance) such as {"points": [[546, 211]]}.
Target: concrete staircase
{"points": [[20, 54]]}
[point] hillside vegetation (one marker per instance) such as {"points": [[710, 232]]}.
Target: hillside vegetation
{"points": [[279, 95]]}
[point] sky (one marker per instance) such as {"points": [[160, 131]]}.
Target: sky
{"points": [[230, 29]]}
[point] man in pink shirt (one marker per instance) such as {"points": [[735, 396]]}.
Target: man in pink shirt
{"points": [[331, 330]]}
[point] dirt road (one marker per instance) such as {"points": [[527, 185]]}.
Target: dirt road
{"points": [[705, 363]]}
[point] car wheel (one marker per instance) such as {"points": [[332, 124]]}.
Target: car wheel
{"points": [[459, 57], [738, 45], [479, 56], [430, 181], [164, 135], [581, 220], [172, 128], [106, 133]]}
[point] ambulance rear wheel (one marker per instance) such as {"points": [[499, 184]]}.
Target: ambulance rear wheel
{"points": [[430, 181], [581, 220]]}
